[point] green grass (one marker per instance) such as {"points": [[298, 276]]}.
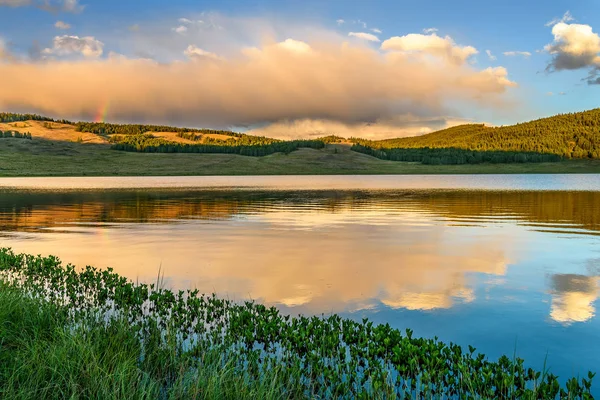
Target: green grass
{"points": [[43, 356], [52, 158], [70, 333]]}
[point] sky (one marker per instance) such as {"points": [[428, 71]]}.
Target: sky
{"points": [[295, 69]]}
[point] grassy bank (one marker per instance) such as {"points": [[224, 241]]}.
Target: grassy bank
{"points": [[40, 157], [69, 333]]}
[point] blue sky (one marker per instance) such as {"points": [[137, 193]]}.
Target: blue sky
{"points": [[147, 29]]}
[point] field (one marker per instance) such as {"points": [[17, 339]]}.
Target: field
{"points": [[89, 157]]}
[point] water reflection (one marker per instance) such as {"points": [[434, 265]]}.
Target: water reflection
{"points": [[475, 267], [573, 297]]}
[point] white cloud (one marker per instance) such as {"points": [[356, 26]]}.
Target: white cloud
{"points": [[490, 55], [549, 94], [376, 30], [562, 93], [365, 36], [62, 25], [185, 21], [295, 46], [427, 31], [575, 46], [517, 53], [181, 29], [194, 52], [87, 46], [567, 17], [430, 45], [340, 21]]}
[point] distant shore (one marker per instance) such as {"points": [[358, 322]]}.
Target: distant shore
{"points": [[63, 158]]}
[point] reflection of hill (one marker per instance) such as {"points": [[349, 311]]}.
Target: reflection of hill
{"points": [[30, 211]]}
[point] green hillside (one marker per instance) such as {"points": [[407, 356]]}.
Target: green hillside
{"points": [[575, 135]]}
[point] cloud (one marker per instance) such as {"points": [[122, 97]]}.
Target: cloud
{"points": [[313, 75], [427, 31], [340, 21], [567, 17], [575, 46], [181, 29], [430, 45], [365, 36], [397, 126], [71, 6], [66, 45], [562, 93], [517, 53], [185, 21], [193, 52], [376, 30], [295, 46], [15, 3], [549, 94], [62, 25], [4, 52], [490, 55], [134, 28]]}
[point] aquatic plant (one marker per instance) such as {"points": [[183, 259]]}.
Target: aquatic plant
{"points": [[181, 334]]}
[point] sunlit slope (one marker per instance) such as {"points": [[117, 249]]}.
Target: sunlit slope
{"points": [[64, 132], [574, 135], [52, 131]]}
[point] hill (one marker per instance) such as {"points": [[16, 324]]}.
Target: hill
{"points": [[64, 148], [575, 135]]}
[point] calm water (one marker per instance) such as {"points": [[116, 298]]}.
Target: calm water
{"points": [[506, 263]]}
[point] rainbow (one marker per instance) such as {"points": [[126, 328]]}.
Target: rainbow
{"points": [[102, 112]]}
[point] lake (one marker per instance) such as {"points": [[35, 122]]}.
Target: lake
{"points": [[509, 264]]}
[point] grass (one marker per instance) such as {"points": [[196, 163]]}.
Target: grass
{"points": [[70, 333], [42, 355], [40, 157]]}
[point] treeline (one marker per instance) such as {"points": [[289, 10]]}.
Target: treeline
{"points": [[15, 134], [102, 128], [189, 136], [14, 117], [331, 139], [141, 143], [149, 140], [453, 156], [574, 135]]}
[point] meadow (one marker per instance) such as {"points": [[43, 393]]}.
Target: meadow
{"points": [[43, 157]]}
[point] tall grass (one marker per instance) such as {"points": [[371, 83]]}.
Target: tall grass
{"points": [[69, 333]]}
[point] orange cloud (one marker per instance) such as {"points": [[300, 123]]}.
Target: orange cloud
{"points": [[288, 80]]}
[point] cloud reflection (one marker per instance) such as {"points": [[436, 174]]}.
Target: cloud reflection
{"points": [[573, 297]]}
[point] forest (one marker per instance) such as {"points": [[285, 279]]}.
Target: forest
{"points": [[573, 135], [102, 128], [454, 156], [14, 117], [247, 145], [15, 134]]}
